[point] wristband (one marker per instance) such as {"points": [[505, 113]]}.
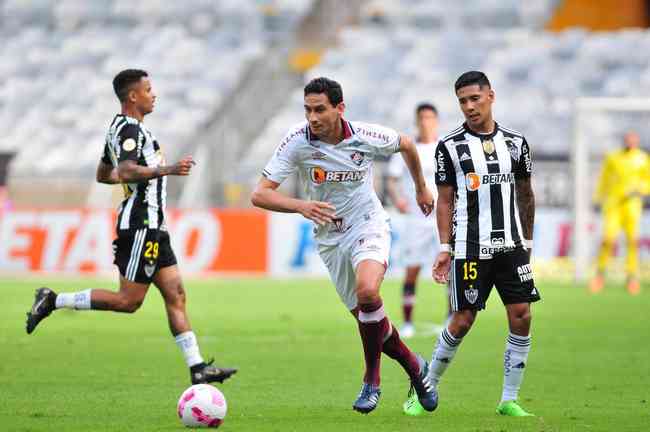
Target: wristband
{"points": [[528, 244], [445, 247]]}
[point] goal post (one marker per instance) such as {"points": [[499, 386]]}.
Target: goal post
{"points": [[598, 126]]}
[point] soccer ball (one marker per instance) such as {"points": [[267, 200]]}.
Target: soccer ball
{"points": [[202, 406]]}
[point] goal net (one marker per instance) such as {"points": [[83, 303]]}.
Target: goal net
{"points": [[599, 126]]}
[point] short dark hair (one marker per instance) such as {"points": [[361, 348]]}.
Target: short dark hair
{"points": [[472, 78], [424, 106], [330, 87], [124, 80]]}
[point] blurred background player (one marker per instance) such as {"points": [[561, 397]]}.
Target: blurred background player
{"points": [[419, 235], [143, 252], [624, 180], [334, 158]]}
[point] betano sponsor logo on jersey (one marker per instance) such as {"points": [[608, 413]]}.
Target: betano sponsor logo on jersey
{"points": [[320, 176], [474, 181]]}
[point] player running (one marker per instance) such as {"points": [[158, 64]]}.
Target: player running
{"points": [[485, 213], [334, 158], [624, 180], [143, 253], [419, 235]]}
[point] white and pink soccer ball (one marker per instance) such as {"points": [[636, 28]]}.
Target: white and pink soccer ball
{"points": [[202, 406]]}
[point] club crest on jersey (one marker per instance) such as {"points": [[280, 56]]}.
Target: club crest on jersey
{"points": [[319, 176], [488, 146], [357, 157], [513, 150], [471, 295]]}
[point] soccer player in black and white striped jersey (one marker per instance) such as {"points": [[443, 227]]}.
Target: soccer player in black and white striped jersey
{"points": [[143, 253], [485, 214]]}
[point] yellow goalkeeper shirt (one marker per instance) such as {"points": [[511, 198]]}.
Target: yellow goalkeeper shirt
{"points": [[625, 174]]}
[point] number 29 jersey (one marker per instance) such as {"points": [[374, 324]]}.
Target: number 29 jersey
{"points": [[340, 174]]}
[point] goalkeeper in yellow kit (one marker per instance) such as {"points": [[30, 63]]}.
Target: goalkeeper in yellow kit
{"points": [[624, 180]]}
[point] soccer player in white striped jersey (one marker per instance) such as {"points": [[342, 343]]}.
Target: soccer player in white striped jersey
{"points": [[419, 234], [334, 159], [143, 252], [485, 214]]}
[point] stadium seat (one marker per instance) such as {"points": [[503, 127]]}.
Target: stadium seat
{"points": [[58, 58]]}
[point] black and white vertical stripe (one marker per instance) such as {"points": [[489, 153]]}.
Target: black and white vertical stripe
{"points": [[144, 202], [486, 218]]}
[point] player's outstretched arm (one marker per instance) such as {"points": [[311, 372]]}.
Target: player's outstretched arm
{"points": [[130, 172], [106, 173], [526, 205], [412, 159], [267, 197], [444, 218]]}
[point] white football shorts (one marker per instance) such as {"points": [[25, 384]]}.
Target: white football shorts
{"points": [[419, 242], [371, 241]]}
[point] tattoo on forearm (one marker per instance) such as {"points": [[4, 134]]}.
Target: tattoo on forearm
{"points": [[526, 205]]}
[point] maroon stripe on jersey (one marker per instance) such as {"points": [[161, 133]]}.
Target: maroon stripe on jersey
{"points": [[347, 130]]}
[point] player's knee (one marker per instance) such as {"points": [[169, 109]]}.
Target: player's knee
{"points": [[130, 304], [177, 298], [367, 292], [521, 317], [461, 323], [466, 322]]}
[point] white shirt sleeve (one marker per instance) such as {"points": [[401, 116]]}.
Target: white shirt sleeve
{"points": [[284, 161], [382, 141]]}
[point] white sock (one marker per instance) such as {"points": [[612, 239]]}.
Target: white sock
{"points": [[443, 354], [514, 365], [190, 347], [79, 300]]}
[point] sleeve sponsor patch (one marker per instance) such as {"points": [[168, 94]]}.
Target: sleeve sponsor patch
{"points": [[128, 144]]}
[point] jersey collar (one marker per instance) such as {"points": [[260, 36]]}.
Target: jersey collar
{"points": [[127, 116], [480, 135], [347, 131]]}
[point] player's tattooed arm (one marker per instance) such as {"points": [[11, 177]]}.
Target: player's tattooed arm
{"points": [[107, 174], [526, 205], [266, 196], [423, 195], [130, 172]]}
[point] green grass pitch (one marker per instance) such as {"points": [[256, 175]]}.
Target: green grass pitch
{"points": [[301, 364]]}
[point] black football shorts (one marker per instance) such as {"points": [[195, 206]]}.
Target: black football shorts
{"points": [[471, 280], [140, 253]]}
